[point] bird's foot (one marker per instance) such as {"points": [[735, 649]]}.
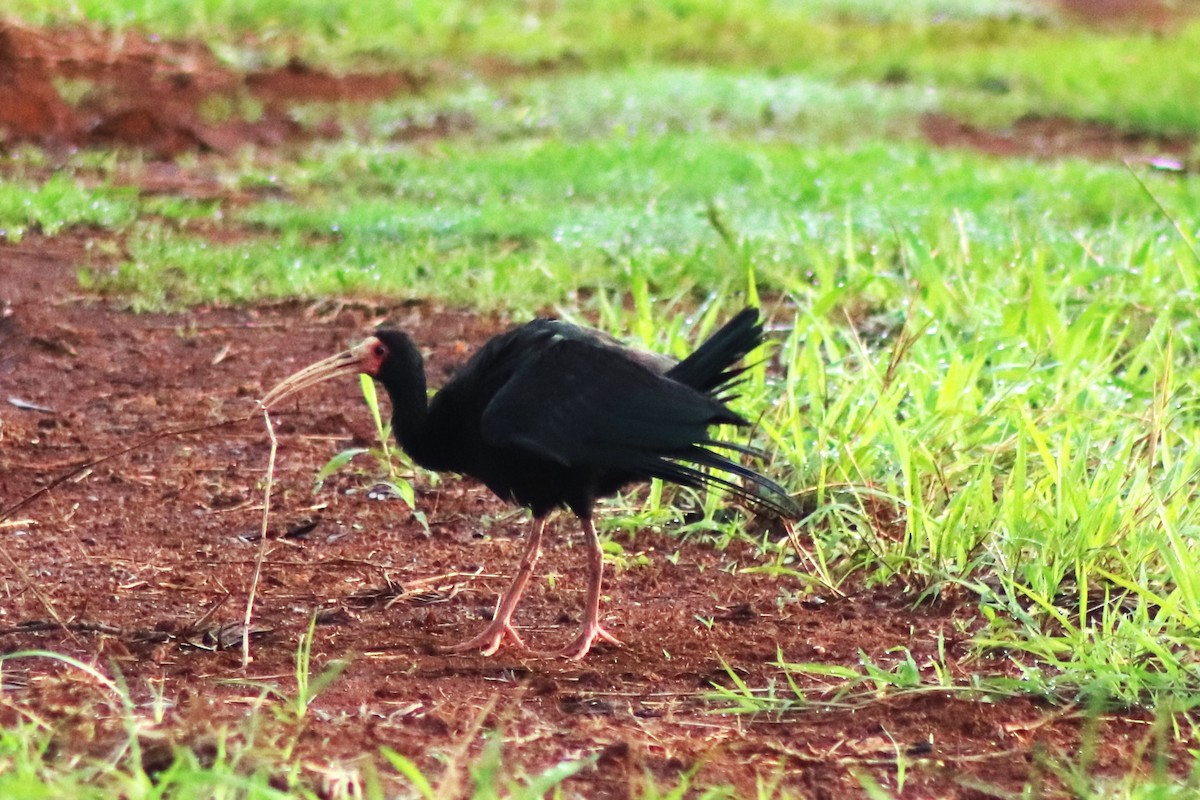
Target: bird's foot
{"points": [[488, 641], [591, 632]]}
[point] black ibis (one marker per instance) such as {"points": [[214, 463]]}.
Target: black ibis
{"points": [[551, 415]]}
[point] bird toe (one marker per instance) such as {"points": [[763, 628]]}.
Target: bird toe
{"points": [[488, 641], [582, 644]]}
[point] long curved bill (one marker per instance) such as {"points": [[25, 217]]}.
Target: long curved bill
{"points": [[345, 363]]}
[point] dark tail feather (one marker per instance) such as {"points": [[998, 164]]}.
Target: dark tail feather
{"points": [[707, 369], [761, 493], [699, 468], [710, 369], [769, 495]]}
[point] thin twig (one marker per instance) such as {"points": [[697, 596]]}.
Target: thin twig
{"points": [[822, 574], [262, 541], [208, 615], [41, 598], [45, 625], [1183, 235]]}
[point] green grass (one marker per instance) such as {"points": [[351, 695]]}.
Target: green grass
{"points": [[657, 100], [537, 222], [60, 202]]}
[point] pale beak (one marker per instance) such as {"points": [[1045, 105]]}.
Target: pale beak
{"points": [[356, 359]]}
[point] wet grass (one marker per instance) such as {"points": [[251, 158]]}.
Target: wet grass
{"points": [[50, 206], [654, 100], [538, 222]]}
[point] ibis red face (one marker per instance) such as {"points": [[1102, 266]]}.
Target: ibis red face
{"points": [[367, 357]]}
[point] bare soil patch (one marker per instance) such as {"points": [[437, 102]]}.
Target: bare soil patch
{"points": [[71, 87], [1059, 137], [1156, 15]]}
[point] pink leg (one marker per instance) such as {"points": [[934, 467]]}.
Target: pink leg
{"points": [[489, 639], [592, 629]]}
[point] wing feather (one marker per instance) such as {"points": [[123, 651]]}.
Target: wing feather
{"points": [[580, 402]]}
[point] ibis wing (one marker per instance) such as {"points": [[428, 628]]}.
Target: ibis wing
{"points": [[587, 403]]}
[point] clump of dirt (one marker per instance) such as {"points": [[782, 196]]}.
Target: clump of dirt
{"points": [[1059, 137], [1157, 15], [71, 87]]}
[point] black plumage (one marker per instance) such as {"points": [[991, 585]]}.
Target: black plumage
{"points": [[551, 415]]}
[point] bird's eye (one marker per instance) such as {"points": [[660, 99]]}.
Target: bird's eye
{"points": [[380, 351]]}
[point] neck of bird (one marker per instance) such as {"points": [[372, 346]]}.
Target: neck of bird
{"points": [[410, 413]]}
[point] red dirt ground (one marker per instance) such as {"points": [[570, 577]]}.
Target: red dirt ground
{"points": [[1060, 137], [149, 556], [159, 96], [1155, 15]]}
